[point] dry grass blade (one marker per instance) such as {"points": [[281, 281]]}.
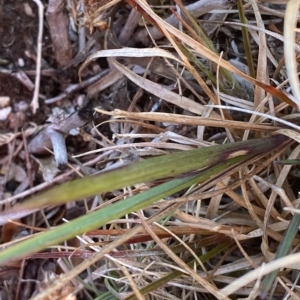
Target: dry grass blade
{"points": [[161, 92], [246, 39], [282, 251], [177, 188], [146, 84], [202, 50], [290, 133], [290, 21], [261, 74], [292, 125], [208, 286], [105, 250], [238, 155], [290, 261], [129, 52], [188, 120]]}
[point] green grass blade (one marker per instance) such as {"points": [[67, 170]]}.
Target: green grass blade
{"points": [[294, 162], [108, 213], [231, 83], [283, 249], [246, 40], [106, 296], [148, 170]]}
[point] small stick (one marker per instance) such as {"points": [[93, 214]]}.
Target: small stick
{"points": [[21, 76], [35, 100], [58, 22], [129, 27], [28, 164], [76, 87]]}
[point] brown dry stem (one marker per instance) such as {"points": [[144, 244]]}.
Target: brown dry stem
{"points": [[58, 24]]}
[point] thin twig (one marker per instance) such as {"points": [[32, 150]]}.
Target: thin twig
{"points": [[76, 87], [21, 76], [28, 163], [35, 99], [129, 27], [58, 22]]}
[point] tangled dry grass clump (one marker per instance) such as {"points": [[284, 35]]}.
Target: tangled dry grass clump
{"points": [[185, 183]]}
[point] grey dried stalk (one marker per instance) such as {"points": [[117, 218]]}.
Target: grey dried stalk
{"points": [[53, 136]]}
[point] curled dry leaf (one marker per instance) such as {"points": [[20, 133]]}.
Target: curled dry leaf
{"points": [[290, 133], [6, 138], [65, 293], [14, 172], [53, 136], [47, 167]]}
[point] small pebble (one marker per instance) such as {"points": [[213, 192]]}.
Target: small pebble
{"points": [[28, 10], [4, 113], [21, 106], [21, 62], [4, 101]]}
